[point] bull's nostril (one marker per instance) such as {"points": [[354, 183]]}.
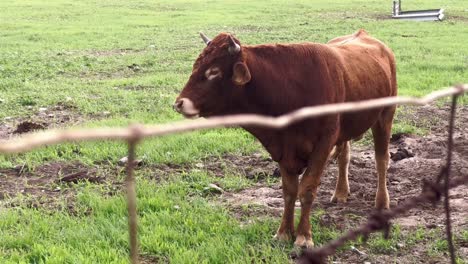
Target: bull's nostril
{"points": [[185, 106], [180, 103], [177, 106]]}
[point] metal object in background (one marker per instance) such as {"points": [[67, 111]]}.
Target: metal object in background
{"points": [[418, 15]]}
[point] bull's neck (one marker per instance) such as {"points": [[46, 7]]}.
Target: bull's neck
{"points": [[273, 89]]}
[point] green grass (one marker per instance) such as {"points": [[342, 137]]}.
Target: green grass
{"points": [[428, 241], [79, 52], [176, 221]]}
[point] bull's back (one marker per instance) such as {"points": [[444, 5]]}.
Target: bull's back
{"points": [[370, 73]]}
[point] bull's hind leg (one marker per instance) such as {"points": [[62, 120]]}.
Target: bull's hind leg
{"points": [[290, 185], [381, 131], [342, 184]]}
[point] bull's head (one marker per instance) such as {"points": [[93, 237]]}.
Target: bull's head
{"points": [[217, 79]]}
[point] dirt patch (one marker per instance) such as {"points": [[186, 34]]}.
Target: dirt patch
{"points": [[463, 19], [121, 72], [79, 176], [380, 16], [251, 29], [60, 115], [148, 259], [255, 167], [27, 126], [93, 55], [252, 167], [5, 130], [434, 119], [55, 185], [50, 186], [136, 87], [114, 52]]}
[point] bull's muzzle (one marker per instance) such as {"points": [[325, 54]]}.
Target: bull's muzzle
{"points": [[185, 106]]}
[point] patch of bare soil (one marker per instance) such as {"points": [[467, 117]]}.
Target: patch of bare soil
{"points": [[60, 115], [51, 186], [120, 72], [147, 259], [5, 130], [136, 87], [114, 52], [28, 126], [380, 16], [457, 18], [252, 167]]}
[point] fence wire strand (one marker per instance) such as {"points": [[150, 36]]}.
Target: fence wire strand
{"points": [[448, 222], [377, 221], [380, 220]]}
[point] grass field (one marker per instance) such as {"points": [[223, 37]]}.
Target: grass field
{"points": [[111, 63]]}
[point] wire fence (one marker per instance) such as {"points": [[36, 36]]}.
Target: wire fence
{"points": [[380, 220], [134, 134]]}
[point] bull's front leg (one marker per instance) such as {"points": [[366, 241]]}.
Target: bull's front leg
{"points": [[308, 191], [290, 185]]}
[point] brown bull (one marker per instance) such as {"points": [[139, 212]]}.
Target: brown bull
{"points": [[274, 79]]}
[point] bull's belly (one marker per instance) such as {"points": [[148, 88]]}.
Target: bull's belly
{"points": [[354, 125]]}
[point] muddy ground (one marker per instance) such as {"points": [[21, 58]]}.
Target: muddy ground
{"points": [[417, 158], [63, 114]]}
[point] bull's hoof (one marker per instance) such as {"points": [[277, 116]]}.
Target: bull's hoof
{"points": [[337, 198], [283, 236], [382, 201], [380, 205], [303, 242]]}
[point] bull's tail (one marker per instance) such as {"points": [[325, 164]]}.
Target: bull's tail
{"points": [[334, 153], [337, 149]]}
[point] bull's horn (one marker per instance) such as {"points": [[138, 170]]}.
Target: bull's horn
{"points": [[234, 48], [205, 38]]}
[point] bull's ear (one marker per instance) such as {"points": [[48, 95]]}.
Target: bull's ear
{"points": [[241, 74]]}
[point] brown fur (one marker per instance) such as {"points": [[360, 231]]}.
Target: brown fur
{"points": [[281, 78]]}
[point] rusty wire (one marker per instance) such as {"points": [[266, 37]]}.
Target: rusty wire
{"points": [[380, 220], [448, 222]]}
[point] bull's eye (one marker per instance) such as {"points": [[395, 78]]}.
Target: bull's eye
{"points": [[213, 73]]}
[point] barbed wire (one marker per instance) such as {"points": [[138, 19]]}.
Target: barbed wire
{"points": [[380, 220], [448, 222], [135, 133]]}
